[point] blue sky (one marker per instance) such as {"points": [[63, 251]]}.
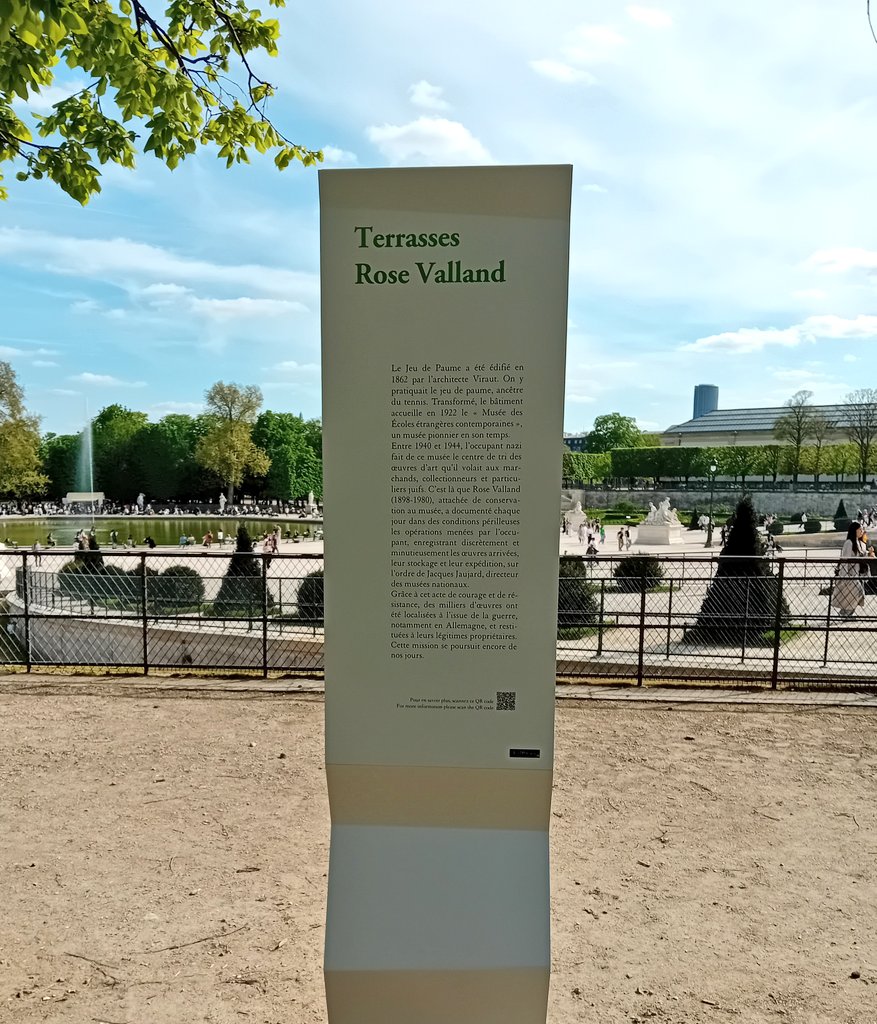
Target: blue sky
{"points": [[724, 220]]}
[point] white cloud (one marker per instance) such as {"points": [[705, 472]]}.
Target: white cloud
{"points": [[42, 102], [127, 263], [335, 155], [850, 358], [43, 363], [105, 380], [754, 339], [747, 339], [85, 306], [840, 260], [291, 366], [433, 139], [830, 326], [654, 17], [580, 399], [559, 71], [429, 97], [244, 307], [593, 43], [816, 294], [63, 391], [593, 187], [164, 408], [13, 352]]}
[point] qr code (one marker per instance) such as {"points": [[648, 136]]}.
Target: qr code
{"points": [[505, 700]]}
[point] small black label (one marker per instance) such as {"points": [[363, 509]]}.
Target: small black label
{"points": [[524, 752]]}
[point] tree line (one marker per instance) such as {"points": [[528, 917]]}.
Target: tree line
{"points": [[232, 445], [742, 462]]}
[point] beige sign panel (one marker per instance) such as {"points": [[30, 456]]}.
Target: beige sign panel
{"points": [[444, 298]]}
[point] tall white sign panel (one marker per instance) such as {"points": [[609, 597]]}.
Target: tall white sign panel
{"points": [[444, 308]]}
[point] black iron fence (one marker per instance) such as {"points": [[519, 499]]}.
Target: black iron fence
{"points": [[631, 618]]}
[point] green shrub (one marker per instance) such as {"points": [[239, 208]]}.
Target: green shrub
{"points": [[626, 507], [841, 519], [812, 526], [91, 581], [795, 517], [776, 528], [638, 573], [310, 598], [178, 586], [577, 607], [242, 591]]}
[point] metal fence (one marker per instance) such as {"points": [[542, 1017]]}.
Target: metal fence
{"points": [[205, 609], [629, 618]]}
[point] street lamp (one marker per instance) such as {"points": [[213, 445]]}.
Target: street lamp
{"points": [[709, 525]]}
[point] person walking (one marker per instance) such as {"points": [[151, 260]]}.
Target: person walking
{"points": [[849, 592], [621, 539], [627, 538]]}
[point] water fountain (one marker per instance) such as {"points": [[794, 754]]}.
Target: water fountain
{"points": [[85, 493]]}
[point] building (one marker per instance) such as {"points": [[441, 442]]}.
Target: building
{"points": [[721, 427], [575, 442]]}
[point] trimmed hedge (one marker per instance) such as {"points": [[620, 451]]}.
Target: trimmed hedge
{"points": [[311, 598], [638, 573], [577, 607], [812, 526], [776, 528]]}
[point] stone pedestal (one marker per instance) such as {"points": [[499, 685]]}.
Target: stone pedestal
{"points": [[655, 533]]}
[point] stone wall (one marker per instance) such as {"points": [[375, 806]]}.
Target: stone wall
{"points": [[781, 503]]}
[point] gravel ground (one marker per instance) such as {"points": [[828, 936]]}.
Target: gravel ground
{"points": [[164, 860]]}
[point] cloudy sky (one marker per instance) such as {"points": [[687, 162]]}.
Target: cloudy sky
{"points": [[724, 216]]}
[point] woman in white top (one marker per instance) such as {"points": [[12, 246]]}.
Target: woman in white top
{"points": [[849, 592]]}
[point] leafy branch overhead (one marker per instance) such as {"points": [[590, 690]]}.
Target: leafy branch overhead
{"points": [[159, 81]]}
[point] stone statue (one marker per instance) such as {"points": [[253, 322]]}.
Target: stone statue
{"points": [[222, 501], [574, 517], [652, 515], [666, 516], [141, 497]]}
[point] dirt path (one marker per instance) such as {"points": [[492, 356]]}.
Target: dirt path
{"points": [[162, 862]]}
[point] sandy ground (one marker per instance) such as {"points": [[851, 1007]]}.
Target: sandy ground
{"points": [[161, 861]]}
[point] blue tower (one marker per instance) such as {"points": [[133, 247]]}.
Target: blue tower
{"points": [[706, 399]]}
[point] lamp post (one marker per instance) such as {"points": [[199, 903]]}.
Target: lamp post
{"points": [[709, 525]]}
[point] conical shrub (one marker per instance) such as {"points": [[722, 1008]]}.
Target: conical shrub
{"points": [[240, 593], [740, 605]]}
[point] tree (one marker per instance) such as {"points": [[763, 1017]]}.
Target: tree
{"points": [[58, 454], [243, 589], [20, 470], [740, 605], [861, 425], [166, 453], [820, 430], [840, 459], [117, 467], [613, 431], [740, 460], [227, 447], [795, 426], [296, 468], [165, 69]]}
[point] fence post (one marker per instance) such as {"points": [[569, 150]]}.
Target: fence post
{"points": [[745, 623], [669, 620], [828, 623], [600, 619], [777, 625], [144, 624], [642, 635], [264, 617], [25, 588]]}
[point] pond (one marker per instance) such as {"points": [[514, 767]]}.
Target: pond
{"points": [[164, 530]]}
